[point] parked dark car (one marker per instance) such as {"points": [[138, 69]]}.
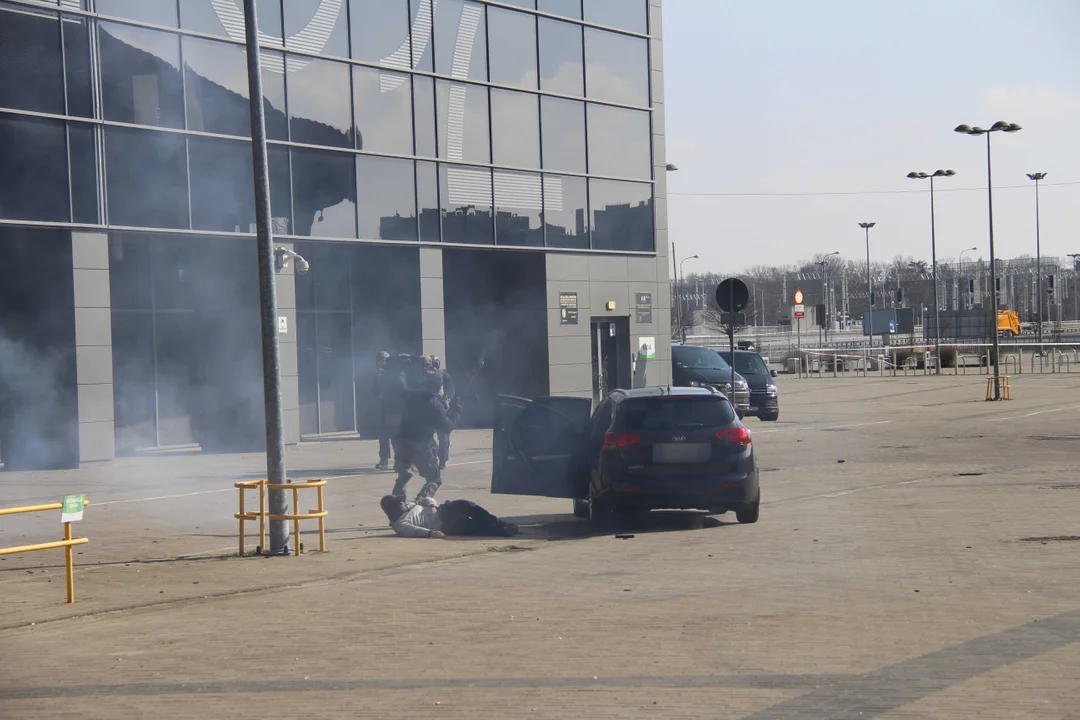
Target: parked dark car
{"points": [[693, 366], [764, 397], [646, 449]]}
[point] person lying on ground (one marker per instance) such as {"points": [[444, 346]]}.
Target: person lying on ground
{"points": [[427, 519]]}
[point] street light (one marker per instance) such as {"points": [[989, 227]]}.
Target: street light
{"points": [[999, 126], [933, 259], [682, 298], [823, 262], [1038, 262], [869, 287]]}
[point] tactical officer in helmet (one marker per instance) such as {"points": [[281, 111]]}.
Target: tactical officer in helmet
{"points": [[424, 415], [450, 402], [389, 391]]}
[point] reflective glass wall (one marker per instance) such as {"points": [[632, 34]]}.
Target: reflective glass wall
{"points": [[518, 123]]}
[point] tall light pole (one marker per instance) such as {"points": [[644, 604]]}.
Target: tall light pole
{"points": [[1038, 261], [271, 359], [999, 126], [869, 287], [682, 280], [824, 263], [933, 259]]}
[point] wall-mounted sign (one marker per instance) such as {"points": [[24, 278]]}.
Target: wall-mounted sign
{"points": [[282, 325], [72, 510], [568, 309], [643, 306], [647, 347]]}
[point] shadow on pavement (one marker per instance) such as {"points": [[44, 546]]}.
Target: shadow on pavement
{"points": [[568, 527]]}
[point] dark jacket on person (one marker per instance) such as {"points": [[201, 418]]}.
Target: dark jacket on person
{"points": [[424, 416], [390, 388]]}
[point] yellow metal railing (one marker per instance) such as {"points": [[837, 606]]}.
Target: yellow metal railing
{"points": [[262, 514], [66, 543]]}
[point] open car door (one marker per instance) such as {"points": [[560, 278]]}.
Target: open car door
{"points": [[538, 446]]}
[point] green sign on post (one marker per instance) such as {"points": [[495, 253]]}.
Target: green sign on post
{"points": [[73, 508]]}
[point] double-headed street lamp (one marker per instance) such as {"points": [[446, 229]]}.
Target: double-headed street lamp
{"points": [[973, 249], [869, 287], [933, 258], [1038, 261], [824, 262], [999, 126]]}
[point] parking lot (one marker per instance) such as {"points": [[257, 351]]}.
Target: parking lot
{"points": [[916, 557]]}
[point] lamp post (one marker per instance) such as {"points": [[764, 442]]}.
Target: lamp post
{"points": [[999, 126], [824, 263], [869, 287], [933, 258], [682, 295], [962, 269], [1038, 262]]}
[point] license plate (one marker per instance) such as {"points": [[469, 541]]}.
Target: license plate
{"points": [[681, 452], [754, 408]]}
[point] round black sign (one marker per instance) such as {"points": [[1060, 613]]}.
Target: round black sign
{"points": [[732, 295]]}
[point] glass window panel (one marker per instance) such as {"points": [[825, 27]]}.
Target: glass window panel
{"points": [[320, 106], [33, 184], [619, 142], [623, 14], [158, 12], [147, 178], [216, 87], [562, 64], [566, 8], [227, 18], [424, 109], [129, 272], [622, 215], [518, 208], [423, 50], [466, 204], [386, 197], [274, 107], [324, 193], [77, 67], [380, 31], [564, 134], [566, 211], [31, 67], [317, 27], [512, 48], [140, 76], [280, 189], [515, 129], [222, 192], [463, 122], [383, 111], [460, 32], [84, 197], [530, 4], [427, 196], [616, 67]]}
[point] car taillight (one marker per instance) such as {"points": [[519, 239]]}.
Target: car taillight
{"points": [[739, 436], [616, 440]]}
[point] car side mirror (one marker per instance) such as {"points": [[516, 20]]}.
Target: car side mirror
{"points": [[773, 373]]}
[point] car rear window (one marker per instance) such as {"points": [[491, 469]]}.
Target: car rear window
{"points": [[673, 413]]}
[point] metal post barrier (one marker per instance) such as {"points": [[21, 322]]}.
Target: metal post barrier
{"points": [[834, 365], [66, 543], [1063, 358], [263, 515]]}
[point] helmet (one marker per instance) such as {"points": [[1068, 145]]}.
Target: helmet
{"points": [[435, 362], [383, 356]]}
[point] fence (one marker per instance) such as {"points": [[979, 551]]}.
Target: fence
{"points": [[262, 514], [66, 543]]}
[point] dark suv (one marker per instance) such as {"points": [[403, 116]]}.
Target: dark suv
{"points": [[645, 449], [764, 398], [693, 366]]}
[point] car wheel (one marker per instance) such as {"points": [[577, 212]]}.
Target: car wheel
{"points": [[581, 509], [748, 513], [770, 417], [601, 514]]}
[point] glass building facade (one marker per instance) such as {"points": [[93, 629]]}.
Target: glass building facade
{"points": [[394, 126]]}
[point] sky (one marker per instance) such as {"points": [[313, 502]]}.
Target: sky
{"points": [[772, 104]]}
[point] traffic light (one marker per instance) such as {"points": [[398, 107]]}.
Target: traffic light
{"points": [[971, 286], [899, 295], [997, 284], [871, 299], [1050, 284]]}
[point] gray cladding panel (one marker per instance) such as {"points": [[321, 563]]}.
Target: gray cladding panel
{"points": [[570, 378], [431, 292], [96, 403], [91, 288], [89, 251], [569, 350], [433, 324], [94, 364], [608, 267], [567, 266], [93, 326], [97, 441], [431, 263]]}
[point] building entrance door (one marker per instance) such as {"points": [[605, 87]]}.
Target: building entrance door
{"points": [[610, 355]]}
